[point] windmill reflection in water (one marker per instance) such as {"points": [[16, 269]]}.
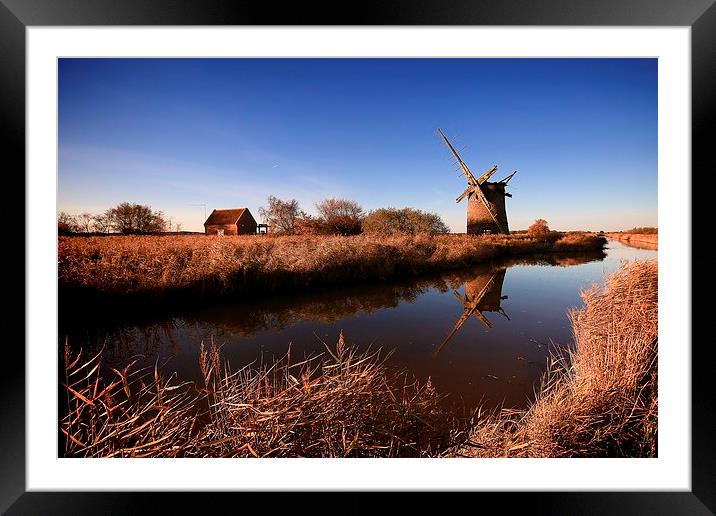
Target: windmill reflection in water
{"points": [[482, 294]]}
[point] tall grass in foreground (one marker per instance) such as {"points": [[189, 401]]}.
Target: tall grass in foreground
{"points": [[599, 399], [204, 267], [335, 405]]}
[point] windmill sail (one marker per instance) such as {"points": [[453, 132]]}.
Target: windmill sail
{"points": [[474, 186], [465, 170], [469, 308], [484, 177]]}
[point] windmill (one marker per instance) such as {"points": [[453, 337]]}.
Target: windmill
{"points": [[485, 201], [482, 294]]}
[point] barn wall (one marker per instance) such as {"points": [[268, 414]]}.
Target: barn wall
{"points": [[229, 229], [246, 224]]}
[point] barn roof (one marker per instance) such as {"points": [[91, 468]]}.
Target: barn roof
{"points": [[222, 217]]}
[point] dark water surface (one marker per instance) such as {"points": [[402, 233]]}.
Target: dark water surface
{"points": [[480, 334]]}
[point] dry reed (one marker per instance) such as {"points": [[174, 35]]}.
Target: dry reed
{"points": [[203, 267], [598, 399], [336, 405]]}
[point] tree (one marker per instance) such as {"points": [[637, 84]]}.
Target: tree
{"points": [[281, 215], [341, 216], [409, 221], [539, 229], [66, 223], [128, 219], [84, 222], [102, 223]]}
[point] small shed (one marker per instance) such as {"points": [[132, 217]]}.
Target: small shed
{"points": [[235, 221]]}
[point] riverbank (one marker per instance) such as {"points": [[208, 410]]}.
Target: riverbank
{"points": [[601, 400], [642, 241], [199, 267]]}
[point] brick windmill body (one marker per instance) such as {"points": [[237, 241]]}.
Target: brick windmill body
{"points": [[486, 211]]}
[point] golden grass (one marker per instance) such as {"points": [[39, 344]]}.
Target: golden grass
{"points": [[202, 267], [336, 405], [599, 399]]}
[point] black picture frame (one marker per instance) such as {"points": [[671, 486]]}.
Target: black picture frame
{"points": [[700, 15]]}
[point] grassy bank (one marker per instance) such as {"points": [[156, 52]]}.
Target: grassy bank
{"points": [[599, 400], [641, 240], [205, 267]]}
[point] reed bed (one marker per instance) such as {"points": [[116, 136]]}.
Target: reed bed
{"points": [[598, 399], [202, 267], [338, 404]]}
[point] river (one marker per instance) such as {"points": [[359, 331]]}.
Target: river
{"points": [[482, 335]]}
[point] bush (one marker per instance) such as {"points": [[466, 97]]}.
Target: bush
{"points": [[539, 229], [308, 225], [410, 221], [340, 216]]}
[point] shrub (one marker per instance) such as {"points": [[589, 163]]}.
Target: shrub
{"points": [[389, 221], [340, 216], [308, 225], [539, 229]]}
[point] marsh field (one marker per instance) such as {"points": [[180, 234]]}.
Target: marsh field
{"points": [[363, 346]]}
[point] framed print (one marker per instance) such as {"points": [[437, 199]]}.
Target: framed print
{"points": [[250, 267]]}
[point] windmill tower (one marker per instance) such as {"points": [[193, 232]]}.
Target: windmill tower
{"points": [[482, 294], [485, 201]]}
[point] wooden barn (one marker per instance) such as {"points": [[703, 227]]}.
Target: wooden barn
{"points": [[236, 221]]}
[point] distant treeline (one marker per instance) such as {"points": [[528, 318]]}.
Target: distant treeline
{"points": [[643, 231], [347, 217], [335, 217], [125, 218]]}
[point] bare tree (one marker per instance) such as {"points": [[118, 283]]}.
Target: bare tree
{"points": [[66, 223], [127, 218], [281, 215], [341, 216], [84, 222], [102, 223]]}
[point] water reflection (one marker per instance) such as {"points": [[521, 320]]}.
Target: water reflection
{"points": [[483, 293], [424, 322]]}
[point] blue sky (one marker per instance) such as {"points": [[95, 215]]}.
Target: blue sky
{"points": [[582, 134]]}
